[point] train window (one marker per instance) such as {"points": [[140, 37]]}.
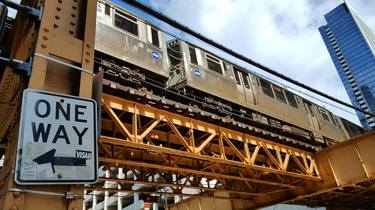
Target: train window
{"points": [[193, 56], [333, 120], [266, 87], [324, 114], [291, 99], [126, 22], [279, 93], [309, 108], [225, 66], [245, 78], [153, 36], [107, 9], [236, 75], [214, 64]]}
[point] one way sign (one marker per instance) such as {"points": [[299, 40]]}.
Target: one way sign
{"points": [[57, 139]]}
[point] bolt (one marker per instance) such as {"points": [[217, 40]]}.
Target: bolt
{"points": [[16, 194], [59, 176]]}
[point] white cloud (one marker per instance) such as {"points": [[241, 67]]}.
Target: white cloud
{"points": [[282, 34]]}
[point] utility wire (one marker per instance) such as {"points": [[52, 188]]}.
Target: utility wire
{"points": [[306, 94], [175, 24], [252, 72]]}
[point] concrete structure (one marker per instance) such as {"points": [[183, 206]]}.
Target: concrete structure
{"points": [[351, 45]]}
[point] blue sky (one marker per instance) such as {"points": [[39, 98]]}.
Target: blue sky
{"points": [[281, 34]]}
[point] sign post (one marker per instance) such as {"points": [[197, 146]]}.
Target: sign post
{"points": [[57, 139]]}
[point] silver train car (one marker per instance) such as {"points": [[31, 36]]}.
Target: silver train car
{"points": [[123, 36]]}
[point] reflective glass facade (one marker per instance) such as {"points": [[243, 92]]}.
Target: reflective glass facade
{"points": [[351, 45]]}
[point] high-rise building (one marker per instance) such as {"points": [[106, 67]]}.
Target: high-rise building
{"points": [[351, 45]]}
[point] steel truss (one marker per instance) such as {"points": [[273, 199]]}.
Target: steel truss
{"points": [[164, 149]]}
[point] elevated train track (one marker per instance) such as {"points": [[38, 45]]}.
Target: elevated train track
{"points": [[156, 142], [131, 84]]}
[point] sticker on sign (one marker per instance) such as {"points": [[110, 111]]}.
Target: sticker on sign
{"points": [[57, 139]]}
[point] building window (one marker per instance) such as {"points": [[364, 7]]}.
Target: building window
{"points": [[245, 78], [266, 87], [193, 56], [236, 75], [291, 99], [279, 93], [126, 22], [214, 64]]}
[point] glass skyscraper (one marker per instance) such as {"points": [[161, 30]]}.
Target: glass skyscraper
{"points": [[351, 45]]}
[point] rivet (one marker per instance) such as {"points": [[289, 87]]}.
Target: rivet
{"points": [[46, 30], [87, 60], [16, 194], [45, 38], [44, 46], [74, 208], [14, 207]]}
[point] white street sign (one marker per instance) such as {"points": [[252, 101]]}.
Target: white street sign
{"points": [[57, 139]]}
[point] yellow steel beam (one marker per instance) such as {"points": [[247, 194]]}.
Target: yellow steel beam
{"points": [[229, 136], [349, 162]]}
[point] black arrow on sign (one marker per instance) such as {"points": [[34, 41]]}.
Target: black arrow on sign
{"points": [[49, 157]]}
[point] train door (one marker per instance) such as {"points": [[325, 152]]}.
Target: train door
{"points": [[239, 82], [311, 115], [177, 74], [249, 96]]}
